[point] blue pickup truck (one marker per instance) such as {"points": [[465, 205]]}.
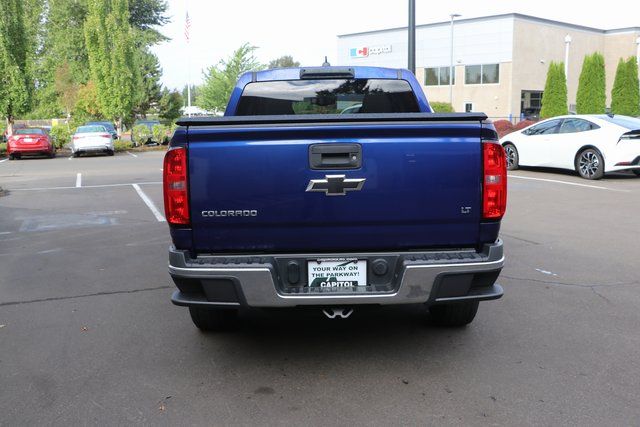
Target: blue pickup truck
{"points": [[334, 188]]}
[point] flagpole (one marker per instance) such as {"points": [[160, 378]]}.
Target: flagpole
{"points": [[187, 28]]}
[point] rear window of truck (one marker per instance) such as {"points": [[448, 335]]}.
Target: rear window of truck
{"points": [[352, 96]]}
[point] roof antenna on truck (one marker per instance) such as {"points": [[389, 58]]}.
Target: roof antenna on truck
{"points": [[326, 63]]}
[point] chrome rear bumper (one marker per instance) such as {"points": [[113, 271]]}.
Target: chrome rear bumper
{"points": [[257, 281]]}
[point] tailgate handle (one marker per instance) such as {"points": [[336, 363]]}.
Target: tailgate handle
{"points": [[335, 156]]}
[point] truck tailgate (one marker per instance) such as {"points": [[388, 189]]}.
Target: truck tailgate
{"points": [[421, 189]]}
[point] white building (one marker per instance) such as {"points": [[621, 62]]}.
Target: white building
{"points": [[500, 62]]}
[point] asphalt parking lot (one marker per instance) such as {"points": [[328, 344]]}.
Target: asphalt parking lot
{"points": [[88, 334]]}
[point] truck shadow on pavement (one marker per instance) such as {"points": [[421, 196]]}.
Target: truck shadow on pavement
{"points": [[307, 335]]}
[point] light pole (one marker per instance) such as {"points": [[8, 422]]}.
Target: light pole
{"points": [[567, 44], [453, 16], [412, 36]]}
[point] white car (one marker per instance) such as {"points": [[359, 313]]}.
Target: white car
{"points": [[92, 138], [589, 144]]}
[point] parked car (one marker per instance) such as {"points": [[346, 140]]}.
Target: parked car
{"points": [[92, 139], [108, 126], [275, 205], [16, 126], [589, 144], [149, 124], [30, 141]]}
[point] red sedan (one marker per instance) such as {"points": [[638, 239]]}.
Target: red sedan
{"points": [[30, 141]]}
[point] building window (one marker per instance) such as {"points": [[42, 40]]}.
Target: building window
{"points": [[473, 74], [482, 74], [437, 76], [468, 107]]}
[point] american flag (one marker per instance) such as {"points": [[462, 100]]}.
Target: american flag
{"points": [[187, 27]]}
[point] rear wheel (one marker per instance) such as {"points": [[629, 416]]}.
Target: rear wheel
{"points": [[213, 319], [12, 156], [513, 159], [459, 314], [636, 171], [76, 154], [590, 164], [109, 152]]}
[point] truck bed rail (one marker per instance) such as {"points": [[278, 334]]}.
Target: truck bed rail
{"points": [[284, 120]]}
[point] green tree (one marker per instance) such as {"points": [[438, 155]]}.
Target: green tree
{"points": [[33, 16], [170, 105], [86, 106], [65, 37], [66, 87], [219, 80], [554, 97], [14, 73], [62, 39], [285, 61], [148, 86], [625, 96], [110, 47], [592, 96], [145, 16]]}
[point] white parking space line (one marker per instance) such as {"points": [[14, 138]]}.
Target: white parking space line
{"points": [[131, 154], [567, 183], [87, 186], [78, 180], [3, 160], [149, 203]]}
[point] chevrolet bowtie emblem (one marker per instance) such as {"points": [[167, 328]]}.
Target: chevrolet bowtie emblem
{"points": [[336, 185]]}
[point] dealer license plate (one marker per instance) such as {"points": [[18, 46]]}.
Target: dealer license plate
{"points": [[337, 273]]}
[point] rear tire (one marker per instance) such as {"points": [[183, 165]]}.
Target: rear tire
{"points": [[213, 319], [590, 164], [513, 160], [109, 152], [636, 171], [454, 315], [76, 154], [12, 157]]}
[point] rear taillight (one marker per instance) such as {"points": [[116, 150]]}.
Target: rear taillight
{"points": [[176, 198], [494, 187]]}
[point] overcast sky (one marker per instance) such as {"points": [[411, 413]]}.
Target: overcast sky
{"points": [[307, 30]]}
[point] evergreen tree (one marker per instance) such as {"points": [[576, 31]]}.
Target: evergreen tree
{"points": [[170, 105], [149, 86], [625, 96], [110, 47], [592, 97], [144, 16], [554, 97], [14, 73]]}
